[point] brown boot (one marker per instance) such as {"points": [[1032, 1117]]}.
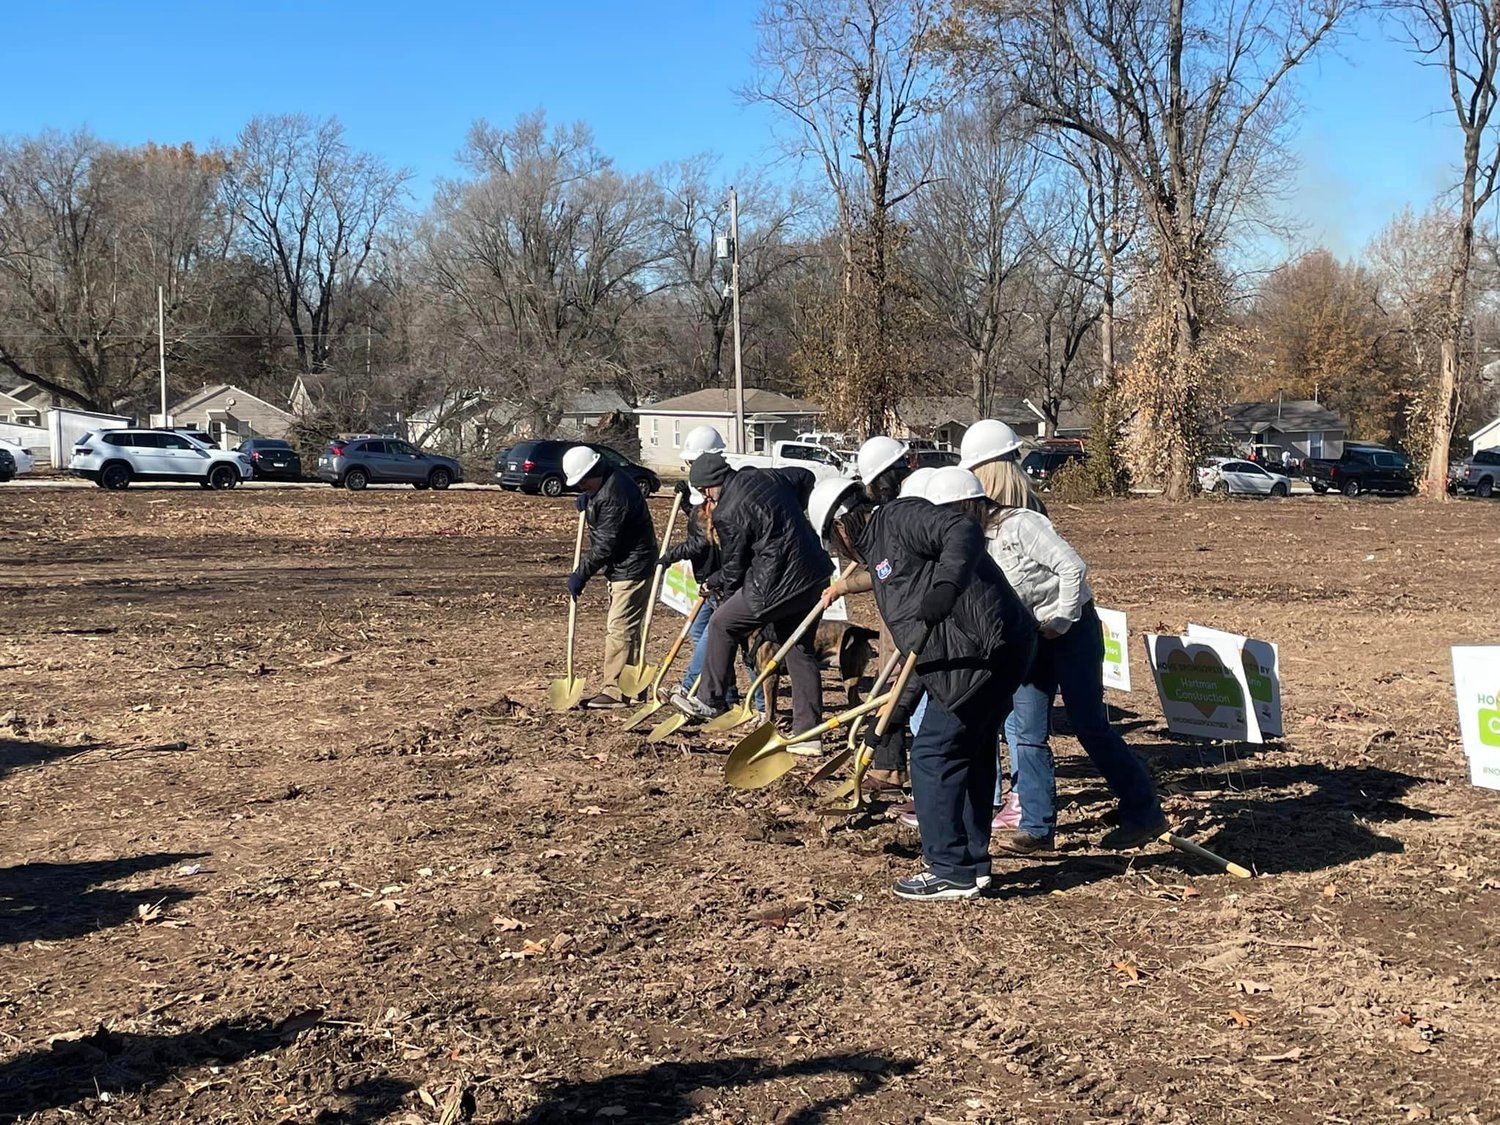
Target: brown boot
{"points": [[1016, 842]]}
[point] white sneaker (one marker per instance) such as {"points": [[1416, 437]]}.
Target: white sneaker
{"points": [[812, 748]]}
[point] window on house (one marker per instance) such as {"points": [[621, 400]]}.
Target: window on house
{"points": [[655, 427], [1315, 445], [676, 433]]}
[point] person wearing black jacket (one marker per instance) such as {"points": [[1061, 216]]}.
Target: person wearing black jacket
{"points": [[773, 569], [940, 593], [622, 545]]}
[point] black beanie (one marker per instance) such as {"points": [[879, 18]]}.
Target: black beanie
{"points": [[709, 470]]}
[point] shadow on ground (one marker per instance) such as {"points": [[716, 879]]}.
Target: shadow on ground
{"points": [[673, 1092], [52, 901]]}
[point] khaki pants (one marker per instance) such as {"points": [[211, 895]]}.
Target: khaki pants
{"points": [[622, 629]]}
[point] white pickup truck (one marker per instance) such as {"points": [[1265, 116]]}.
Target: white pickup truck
{"points": [[821, 461]]}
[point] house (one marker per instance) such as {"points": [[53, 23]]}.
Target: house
{"points": [[231, 415], [944, 419], [769, 417], [336, 402], [21, 408], [1487, 436], [1303, 427], [474, 420]]}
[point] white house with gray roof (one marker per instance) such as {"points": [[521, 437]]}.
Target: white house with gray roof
{"points": [[769, 417]]}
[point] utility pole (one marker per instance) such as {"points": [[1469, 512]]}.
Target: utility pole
{"points": [[161, 352], [734, 285]]}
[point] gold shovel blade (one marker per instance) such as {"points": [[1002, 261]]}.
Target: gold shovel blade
{"points": [[735, 716], [667, 727], [832, 766], [760, 758], [565, 694], [643, 714], [635, 679]]}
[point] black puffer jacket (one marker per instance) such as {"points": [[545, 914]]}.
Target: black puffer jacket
{"points": [[697, 550], [769, 547], [909, 546], [622, 539]]}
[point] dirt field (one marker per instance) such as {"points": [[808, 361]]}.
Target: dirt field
{"points": [[381, 882]]}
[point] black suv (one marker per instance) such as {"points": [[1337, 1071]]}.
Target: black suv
{"points": [[536, 466], [1041, 465]]}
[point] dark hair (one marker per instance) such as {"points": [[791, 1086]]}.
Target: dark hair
{"points": [[858, 508], [887, 483]]}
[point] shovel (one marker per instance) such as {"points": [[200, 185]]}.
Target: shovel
{"points": [[654, 704], [565, 694], [742, 712], [762, 756], [635, 677], [836, 763], [851, 796], [671, 724], [1203, 853]]}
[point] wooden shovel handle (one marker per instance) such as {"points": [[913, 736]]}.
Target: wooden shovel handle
{"points": [[906, 672], [659, 572], [573, 602], [677, 644], [780, 654]]}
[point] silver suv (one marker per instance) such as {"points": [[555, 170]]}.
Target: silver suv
{"points": [[114, 458], [355, 462], [1479, 475]]}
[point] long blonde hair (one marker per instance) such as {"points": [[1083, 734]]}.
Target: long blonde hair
{"points": [[1008, 486]]}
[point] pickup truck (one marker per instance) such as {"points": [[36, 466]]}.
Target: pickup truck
{"points": [[1362, 468], [1479, 475], [821, 461]]}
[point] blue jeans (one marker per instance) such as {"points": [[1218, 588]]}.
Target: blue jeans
{"points": [[1073, 665], [695, 665]]}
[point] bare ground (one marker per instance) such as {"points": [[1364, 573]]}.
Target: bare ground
{"points": [[382, 882]]}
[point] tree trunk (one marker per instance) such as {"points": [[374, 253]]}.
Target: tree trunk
{"points": [[1179, 477]]}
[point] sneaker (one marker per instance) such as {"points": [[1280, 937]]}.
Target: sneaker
{"points": [[694, 708], [1016, 842], [1008, 815], [1129, 836], [603, 702], [927, 887], [812, 748], [906, 814]]}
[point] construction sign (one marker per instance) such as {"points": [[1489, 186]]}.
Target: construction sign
{"points": [[1476, 682], [1203, 688], [1116, 649], [1262, 664]]}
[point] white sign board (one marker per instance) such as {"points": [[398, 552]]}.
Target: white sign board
{"points": [[679, 591], [1262, 662], [1116, 649], [1202, 686], [1476, 682]]}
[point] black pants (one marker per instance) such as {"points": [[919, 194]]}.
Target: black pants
{"points": [[732, 624], [953, 771]]}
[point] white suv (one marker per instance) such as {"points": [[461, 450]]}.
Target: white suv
{"points": [[114, 458]]}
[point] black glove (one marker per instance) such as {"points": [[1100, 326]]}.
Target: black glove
{"points": [[684, 490], [889, 750], [938, 602], [576, 582], [582, 502]]}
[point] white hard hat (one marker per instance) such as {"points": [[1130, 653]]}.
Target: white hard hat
{"points": [[951, 484], [877, 455], [986, 440], [828, 497], [578, 461], [701, 440], [916, 484]]}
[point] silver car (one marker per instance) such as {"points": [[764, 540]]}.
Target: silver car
{"points": [[355, 462], [1230, 474]]}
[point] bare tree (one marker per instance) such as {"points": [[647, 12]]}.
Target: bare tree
{"points": [[312, 208], [87, 233], [969, 236], [1185, 98], [857, 77], [1461, 38]]}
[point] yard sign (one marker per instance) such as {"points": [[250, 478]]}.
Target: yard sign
{"points": [[1203, 688], [1116, 649], [679, 591], [1262, 661], [1476, 680]]}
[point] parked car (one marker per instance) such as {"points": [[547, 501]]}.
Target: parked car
{"points": [[1042, 464], [820, 460], [7, 464], [203, 437], [272, 459], [931, 458], [536, 466], [19, 454], [114, 458], [1478, 475], [1227, 475], [355, 462], [1362, 468]]}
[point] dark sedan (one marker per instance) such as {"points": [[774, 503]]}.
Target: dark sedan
{"points": [[272, 459]]}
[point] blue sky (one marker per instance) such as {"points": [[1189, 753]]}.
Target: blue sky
{"points": [[655, 80]]}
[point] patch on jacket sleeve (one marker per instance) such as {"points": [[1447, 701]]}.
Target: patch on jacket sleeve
{"points": [[883, 569]]}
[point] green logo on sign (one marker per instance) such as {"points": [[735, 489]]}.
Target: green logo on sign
{"points": [[1489, 726], [1112, 651], [1201, 682]]}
